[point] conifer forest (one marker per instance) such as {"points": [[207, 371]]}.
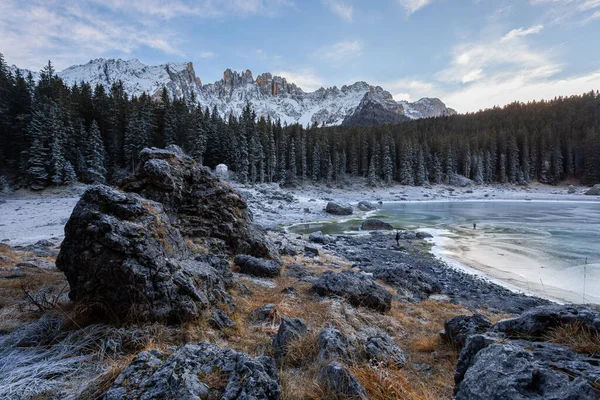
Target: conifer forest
{"points": [[51, 134]]}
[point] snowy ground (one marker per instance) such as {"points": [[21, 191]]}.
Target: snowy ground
{"points": [[26, 217]]}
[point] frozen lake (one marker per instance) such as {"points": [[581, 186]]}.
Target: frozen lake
{"points": [[548, 248]]}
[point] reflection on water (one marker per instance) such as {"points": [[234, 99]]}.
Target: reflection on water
{"points": [[550, 244]]}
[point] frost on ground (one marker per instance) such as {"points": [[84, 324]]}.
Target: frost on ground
{"points": [[27, 217]]}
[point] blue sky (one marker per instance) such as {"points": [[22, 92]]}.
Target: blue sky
{"points": [[472, 54]]}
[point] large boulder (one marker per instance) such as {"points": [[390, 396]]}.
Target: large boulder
{"points": [[523, 370], [124, 259], [373, 224], [257, 266], [338, 209], [458, 329], [538, 321], [594, 191], [337, 382], [358, 289], [197, 371], [205, 209], [290, 329], [383, 349]]}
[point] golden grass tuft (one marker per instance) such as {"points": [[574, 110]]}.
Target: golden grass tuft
{"points": [[577, 337], [390, 383], [302, 351]]}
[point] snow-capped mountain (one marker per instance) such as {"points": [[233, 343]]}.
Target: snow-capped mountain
{"points": [[356, 104]]}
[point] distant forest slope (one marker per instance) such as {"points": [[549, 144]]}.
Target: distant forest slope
{"points": [[51, 134]]}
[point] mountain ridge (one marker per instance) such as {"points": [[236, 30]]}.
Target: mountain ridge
{"points": [[274, 96]]}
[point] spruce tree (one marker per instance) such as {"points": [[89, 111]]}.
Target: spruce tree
{"points": [[95, 156]]}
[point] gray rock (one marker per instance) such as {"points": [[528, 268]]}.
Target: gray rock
{"points": [[318, 237], [594, 191], [264, 313], [333, 344], [423, 235], [5, 259], [536, 322], [408, 236], [33, 263], [373, 224], [473, 345], [366, 206], [571, 189], [458, 329], [338, 382], [191, 370], [338, 209], [358, 289], [520, 370], [220, 320], [382, 348], [257, 266], [201, 206], [459, 180], [311, 251], [290, 329], [124, 259]]}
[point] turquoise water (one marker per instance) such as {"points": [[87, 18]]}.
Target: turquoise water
{"points": [[552, 248]]}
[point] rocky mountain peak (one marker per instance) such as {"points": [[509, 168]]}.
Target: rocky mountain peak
{"points": [[270, 95]]}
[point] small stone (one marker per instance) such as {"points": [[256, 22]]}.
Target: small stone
{"points": [[290, 329], [339, 383], [257, 266]]}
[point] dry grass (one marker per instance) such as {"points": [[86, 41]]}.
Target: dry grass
{"points": [[303, 351], [577, 337], [390, 383]]}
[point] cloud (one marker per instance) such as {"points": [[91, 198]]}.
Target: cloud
{"points": [[340, 50], [522, 32], [307, 80], [519, 87], [412, 6], [68, 32], [340, 8], [198, 8], [206, 55], [570, 11], [473, 61]]}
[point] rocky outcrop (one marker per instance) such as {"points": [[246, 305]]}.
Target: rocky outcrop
{"points": [[358, 289], [382, 349], [337, 382], [538, 321], [500, 365], [257, 266], [205, 209], [594, 191], [220, 320], [197, 371], [373, 224], [264, 313], [290, 329], [124, 259], [459, 328], [338, 209], [520, 370]]}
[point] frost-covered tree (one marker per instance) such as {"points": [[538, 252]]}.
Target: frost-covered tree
{"points": [[95, 156], [316, 163], [372, 175]]}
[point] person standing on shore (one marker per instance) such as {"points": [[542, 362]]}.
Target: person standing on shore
{"points": [[474, 226], [398, 238]]}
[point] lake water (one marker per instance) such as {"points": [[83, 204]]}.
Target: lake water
{"points": [[549, 248]]}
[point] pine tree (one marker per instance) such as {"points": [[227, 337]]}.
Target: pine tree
{"points": [[372, 176], [420, 176], [95, 156], [503, 176], [316, 163]]}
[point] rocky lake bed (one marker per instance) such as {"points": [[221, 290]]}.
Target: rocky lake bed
{"points": [[177, 277]]}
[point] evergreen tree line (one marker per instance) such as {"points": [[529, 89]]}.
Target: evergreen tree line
{"points": [[52, 134]]}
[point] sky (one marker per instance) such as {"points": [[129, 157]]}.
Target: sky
{"points": [[472, 54]]}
